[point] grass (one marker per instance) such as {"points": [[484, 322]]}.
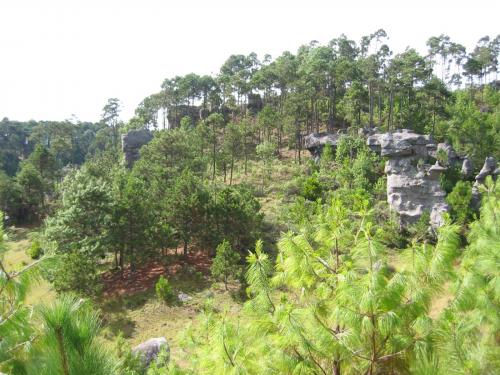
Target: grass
{"points": [[16, 258], [142, 316]]}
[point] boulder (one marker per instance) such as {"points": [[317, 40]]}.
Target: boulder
{"points": [[148, 351], [132, 143], [315, 142]]}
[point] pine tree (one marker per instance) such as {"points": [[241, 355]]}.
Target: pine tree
{"points": [[225, 263]]}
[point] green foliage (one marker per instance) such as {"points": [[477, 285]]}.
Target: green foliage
{"points": [[312, 189], [331, 304], [79, 232], [233, 215], [225, 263], [35, 251], [450, 178], [164, 291], [469, 326], [128, 363], [15, 328], [266, 151], [68, 341], [460, 202], [186, 207]]}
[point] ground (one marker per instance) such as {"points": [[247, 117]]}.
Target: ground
{"points": [[130, 306], [16, 258]]}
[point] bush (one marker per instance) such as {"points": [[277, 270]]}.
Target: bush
{"points": [[460, 202], [164, 290], [225, 263], [35, 251], [312, 189]]}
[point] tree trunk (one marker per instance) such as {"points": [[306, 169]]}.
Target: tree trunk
{"points": [[391, 108], [62, 352], [370, 92], [232, 166], [121, 257], [185, 253]]}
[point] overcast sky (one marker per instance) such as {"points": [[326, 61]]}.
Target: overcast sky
{"points": [[59, 58]]}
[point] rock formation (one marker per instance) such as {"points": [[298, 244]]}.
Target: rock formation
{"points": [[490, 168], [176, 114], [148, 351], [315, 143], [413, 182], [132, 143], [413, 185]]}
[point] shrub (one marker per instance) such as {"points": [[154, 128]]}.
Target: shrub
{"points": [[460, 202], [311, 189], [35, 251], [164, 290], [225, 263]]}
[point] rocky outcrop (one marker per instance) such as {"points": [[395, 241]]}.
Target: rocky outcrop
{"points": [[413, 185], [132, 143], [148, 351], [490, 168], [315, 143], [452, 159], [176, 114]]}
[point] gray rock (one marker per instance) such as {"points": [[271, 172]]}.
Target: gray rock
{"points": [[413, 186], [148, 351], [489, 167], [183, 297], [467, 168], [315, 143], [451, 156], [132, 143]]}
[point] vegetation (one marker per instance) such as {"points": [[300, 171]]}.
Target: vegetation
{"points": [[164, 290], [224, 192], [225, 263]]}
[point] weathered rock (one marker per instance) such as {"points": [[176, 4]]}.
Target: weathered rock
{"points": [[183, 297], [132, 143], [315, 143], [490, 168], [467, 168], [176, 114], [148, 351], [413, 185], [490, 164], [451, 156]]}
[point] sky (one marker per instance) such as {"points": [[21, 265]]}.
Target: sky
{"points": [[61, 59]]}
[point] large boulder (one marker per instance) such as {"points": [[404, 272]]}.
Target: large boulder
{"points": [[148, 351], [315, 142], [132, 143]]}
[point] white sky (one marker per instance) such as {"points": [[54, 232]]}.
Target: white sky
{"points": [[59, 58]]}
